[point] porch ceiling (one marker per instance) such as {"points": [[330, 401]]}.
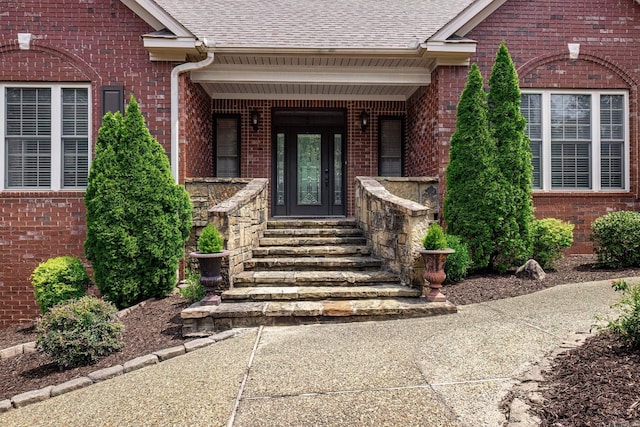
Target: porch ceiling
{"points": [[322, 77]]}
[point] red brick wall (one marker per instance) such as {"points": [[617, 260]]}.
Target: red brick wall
{"points": [[537, 34], [95, 42], [362, 154], [196, 149]]}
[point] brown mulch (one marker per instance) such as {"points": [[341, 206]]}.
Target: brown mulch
{"points": [[154, 326], [596, 384]]}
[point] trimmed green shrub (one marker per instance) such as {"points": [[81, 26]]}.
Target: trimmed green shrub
{"points": [[550, 237], [457, 263], [57, 280], [138, 218], [474, 203], [434, 238], [627, 324], [79, 332], [210, 241], [192, 290], [616, 239], [512, 233]]}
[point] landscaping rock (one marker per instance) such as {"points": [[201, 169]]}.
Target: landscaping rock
{"points": [[169, 353], [70, 385], [11, 351], [196, 344], [140, 362], [105, 374], [5, 405], [531, 270], [221, 336], [25, 399]]}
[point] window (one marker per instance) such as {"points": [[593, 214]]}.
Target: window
{"points": [[578, 140], [46, 137], [227, 146], [391, 134]]}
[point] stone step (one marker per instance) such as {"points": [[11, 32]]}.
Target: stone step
{"points": [[311, 241], [313, 263], [202, 320], [312, 223], [313, 278], [308, 293], [313, 232], [310, 251]]}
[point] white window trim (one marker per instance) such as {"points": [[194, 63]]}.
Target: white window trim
{"points": [[545, 153], [56, 133]]}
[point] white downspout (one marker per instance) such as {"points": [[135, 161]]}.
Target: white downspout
{"points": [[175, 102]]}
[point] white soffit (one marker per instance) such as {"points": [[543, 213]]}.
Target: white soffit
{"points": [[157, 17]]}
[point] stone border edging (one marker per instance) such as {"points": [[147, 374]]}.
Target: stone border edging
{"points": [[29, 397], [30, 347], [528, 390]]}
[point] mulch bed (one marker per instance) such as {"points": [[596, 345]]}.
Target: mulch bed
{"points": [[596, 384], [154, 326], [593, 385]]}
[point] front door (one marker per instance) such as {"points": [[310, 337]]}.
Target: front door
{"points": [[309, 163]]}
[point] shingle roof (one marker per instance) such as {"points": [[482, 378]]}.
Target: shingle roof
{"points": [[322, 24]]}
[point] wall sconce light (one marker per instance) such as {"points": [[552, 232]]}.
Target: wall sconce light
{"points": [[364, 120], [255, 119]]}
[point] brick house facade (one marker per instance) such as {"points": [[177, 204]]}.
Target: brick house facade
{"points": [[134, 45]]}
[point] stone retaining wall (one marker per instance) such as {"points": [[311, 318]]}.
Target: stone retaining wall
{"points": [[239, 210], [395, 223]]}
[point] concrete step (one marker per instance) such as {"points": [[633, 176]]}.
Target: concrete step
{"points": [[312, 241], [312, 223], [313, 232], [313, 263], [308, 293], [313, 278], [202, 320], [311, 251]]}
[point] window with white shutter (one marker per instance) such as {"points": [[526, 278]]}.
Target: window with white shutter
{"points": [[579, 140], [46, 137]]}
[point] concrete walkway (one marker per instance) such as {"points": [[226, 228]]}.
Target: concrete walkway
{"points": [[442, 371]]}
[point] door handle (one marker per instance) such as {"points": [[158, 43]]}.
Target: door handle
{"points": [[326, 178]]}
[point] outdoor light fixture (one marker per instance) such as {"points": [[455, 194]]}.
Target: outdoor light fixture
{"points": [[364, 120], [255, 119]]}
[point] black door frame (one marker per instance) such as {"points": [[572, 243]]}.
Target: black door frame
{"points": [[295, 121]]}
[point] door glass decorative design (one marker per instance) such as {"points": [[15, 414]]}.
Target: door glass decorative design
{"points": [[309, 169], [337, 169], [280, 197]]}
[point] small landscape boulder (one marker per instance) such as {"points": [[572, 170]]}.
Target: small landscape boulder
{"points": [[531, 270]]}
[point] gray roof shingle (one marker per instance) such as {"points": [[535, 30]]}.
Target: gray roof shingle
{"points": [[309, 24]]}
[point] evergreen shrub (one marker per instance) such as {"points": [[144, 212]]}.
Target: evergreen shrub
{"points": [[457, 263], [474, 203], [434, 238], [616, 239], [550, 237], [79, 332], [138, 218], [210, 241], [57, 280]]}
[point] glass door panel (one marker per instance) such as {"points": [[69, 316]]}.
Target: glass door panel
{"points": [[309, 169]]}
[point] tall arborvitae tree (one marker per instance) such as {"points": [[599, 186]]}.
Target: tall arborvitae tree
{"points": [[513, 237], [473, 202], [138, 219]]}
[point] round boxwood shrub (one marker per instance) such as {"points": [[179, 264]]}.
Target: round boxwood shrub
{"points": [[616, 239], [57, 280], [457, 263], [550, 237], [79, 332]]}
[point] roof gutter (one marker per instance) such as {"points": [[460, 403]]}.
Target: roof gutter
{"points": [[175, 104]]}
